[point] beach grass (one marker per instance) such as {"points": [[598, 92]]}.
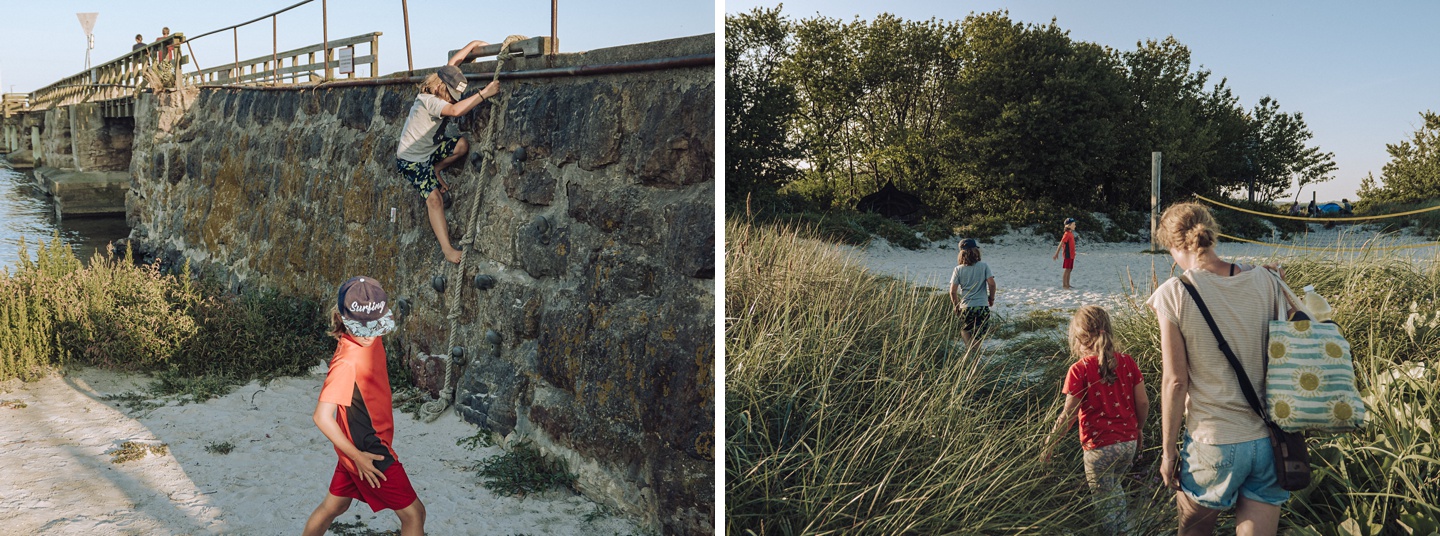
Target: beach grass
{"points": [[852, 408]]}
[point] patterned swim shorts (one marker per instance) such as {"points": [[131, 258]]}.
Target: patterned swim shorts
{"points": [[975, 318], [422, 174]]}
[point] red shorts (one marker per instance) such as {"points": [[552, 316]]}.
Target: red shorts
{"points": [[1069, 263], [394, 492]]}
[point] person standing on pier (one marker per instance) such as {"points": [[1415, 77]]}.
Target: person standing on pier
{"points": [[424, 149], [139, 43]]}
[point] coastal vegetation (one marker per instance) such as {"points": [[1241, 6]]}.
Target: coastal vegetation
{"points": [[990, 122], [197, 340], [853, 407]]}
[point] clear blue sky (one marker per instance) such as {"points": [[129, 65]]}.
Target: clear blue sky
{"points": [[41, 41], [1360, 73]]}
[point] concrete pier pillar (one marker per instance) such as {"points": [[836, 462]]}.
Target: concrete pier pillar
{"points": [[35, 144]]}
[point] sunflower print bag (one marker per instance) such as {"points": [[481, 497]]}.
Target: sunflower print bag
{"points": [[1310, 377]]}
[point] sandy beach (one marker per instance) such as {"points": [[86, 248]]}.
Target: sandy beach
{"points": [[59, 478], [1028, 279]]}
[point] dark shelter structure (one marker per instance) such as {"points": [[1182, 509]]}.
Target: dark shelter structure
{"points": [[894, 204]]}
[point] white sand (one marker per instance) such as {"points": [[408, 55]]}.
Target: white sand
{"points": [[1028, 279], [58, 478]]}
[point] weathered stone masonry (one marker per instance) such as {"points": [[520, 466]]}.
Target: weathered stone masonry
{"points": [[595, 224]]}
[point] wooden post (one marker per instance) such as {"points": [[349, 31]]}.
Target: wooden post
{"points": [[374, 57], [1154, 201]]}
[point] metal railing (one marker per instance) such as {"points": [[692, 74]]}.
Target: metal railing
{"points": [[117, 78], [301, 63]]}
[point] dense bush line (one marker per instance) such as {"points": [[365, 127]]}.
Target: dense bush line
{"points": [[56, 311]]}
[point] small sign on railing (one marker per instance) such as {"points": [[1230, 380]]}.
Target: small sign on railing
{"points": [[347, 60]]}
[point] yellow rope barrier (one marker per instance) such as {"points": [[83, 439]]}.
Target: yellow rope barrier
{"points": [[1339, 249], [1307, 218]]}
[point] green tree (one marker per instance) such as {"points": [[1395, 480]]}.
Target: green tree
{"points": [[759, 151], [1413, 173], [1033, 115], [1280, 155]]}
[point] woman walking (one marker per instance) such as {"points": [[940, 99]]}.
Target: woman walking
{"points": [[1224, 460]]}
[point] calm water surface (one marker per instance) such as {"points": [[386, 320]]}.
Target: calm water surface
{"points": [[25, 211]]}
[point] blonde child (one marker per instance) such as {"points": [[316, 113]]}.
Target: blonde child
{"points": [[1066, 246], [1105, 387]]}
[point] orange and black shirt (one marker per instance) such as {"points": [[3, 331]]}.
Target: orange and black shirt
{"points": [[360, 386]]}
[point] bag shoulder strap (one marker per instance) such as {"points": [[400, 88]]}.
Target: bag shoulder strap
{"points": [[1245, 387]]}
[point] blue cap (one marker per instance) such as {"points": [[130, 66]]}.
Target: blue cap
{"points": [[968, 243], [1069, 221]]}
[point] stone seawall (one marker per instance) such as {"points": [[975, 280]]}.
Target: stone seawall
{"points": [[585, 304]]}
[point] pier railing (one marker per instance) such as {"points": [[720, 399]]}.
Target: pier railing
{"points": [[291, 65], [13, 103], [117, 78]]}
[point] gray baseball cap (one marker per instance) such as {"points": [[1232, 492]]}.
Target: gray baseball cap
{"points": [[454, 80]]}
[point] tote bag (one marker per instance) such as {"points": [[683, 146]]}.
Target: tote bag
{"points": [[1310, 377]]}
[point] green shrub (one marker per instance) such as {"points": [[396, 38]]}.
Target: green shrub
{"points": [[112, 313]]}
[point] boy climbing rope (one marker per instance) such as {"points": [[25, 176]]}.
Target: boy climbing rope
{"points": [[424, 150]]}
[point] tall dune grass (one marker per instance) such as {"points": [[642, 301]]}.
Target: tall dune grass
{"points": [[852, 407]]}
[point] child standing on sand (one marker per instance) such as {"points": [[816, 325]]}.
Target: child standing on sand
{"points": [[1067, 246], [355, 414], [1106, 389], [968, 291]]}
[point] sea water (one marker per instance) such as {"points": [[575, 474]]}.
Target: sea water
{"points": [[27, 212]]}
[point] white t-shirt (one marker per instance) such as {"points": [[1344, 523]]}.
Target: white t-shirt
{"points": [[1216, 412], [417, 139]]}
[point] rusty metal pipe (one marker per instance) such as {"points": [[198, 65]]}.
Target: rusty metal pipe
{"points": [[409, 57], [697, 60], [274, 49], [325, 34]]}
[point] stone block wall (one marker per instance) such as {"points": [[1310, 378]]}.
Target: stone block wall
{"points": [[586, 203]]}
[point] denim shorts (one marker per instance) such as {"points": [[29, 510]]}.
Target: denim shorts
{"points": [[1216, 476]]}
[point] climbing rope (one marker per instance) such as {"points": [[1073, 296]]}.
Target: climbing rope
{"points": [[1307, 218], [505, 54], [1332, 249], [433, 409]]}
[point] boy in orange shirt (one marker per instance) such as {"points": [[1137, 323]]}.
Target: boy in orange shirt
{"points": [[1067, 246], [355, 414]]}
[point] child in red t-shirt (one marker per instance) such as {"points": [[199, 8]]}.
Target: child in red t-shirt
{"points": [[1105, 387], [1066, 246], [355, 414]]}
